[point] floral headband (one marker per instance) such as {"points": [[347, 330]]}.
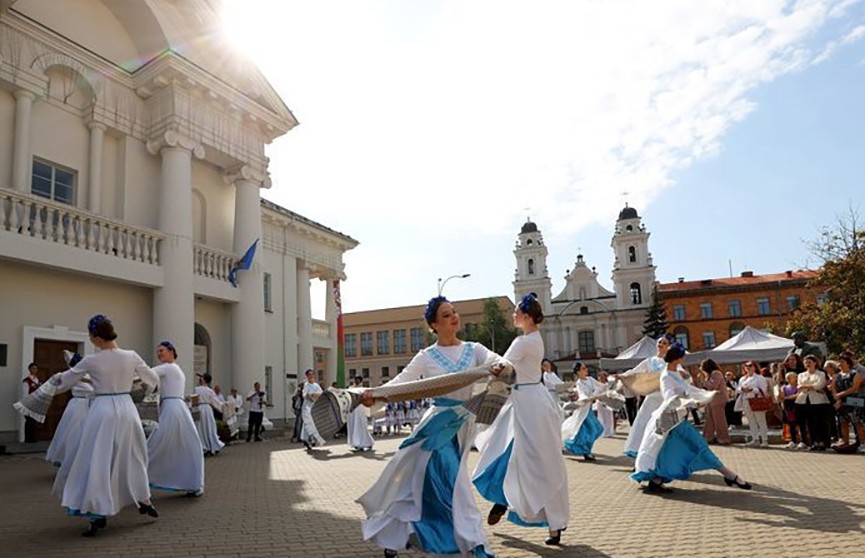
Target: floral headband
{"points": [[94, 322], [429, 313], [526, 302]]}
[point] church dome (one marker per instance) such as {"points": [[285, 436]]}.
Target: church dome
{"points": [[628, 213], [529, 227]]}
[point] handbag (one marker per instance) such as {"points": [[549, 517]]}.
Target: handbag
{"points": [[760, 403]]}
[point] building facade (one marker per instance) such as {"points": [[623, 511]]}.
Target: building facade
{"points": [[705, 313], [132, 157], [379, 343], [585, 320]]}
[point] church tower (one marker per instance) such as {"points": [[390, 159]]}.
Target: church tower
{"points": [[531, 274], [633, 271]]}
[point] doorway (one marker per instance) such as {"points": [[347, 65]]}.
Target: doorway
{"points": [[48, 356]]}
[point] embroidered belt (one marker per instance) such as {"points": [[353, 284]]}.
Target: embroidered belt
{"points": [[517, 386], [110, 394]]}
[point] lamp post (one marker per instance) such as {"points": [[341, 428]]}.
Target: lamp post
{"points": [[443, 283]]}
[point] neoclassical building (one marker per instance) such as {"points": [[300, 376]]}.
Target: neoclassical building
{"points": [[585, 320], [132, 159]]}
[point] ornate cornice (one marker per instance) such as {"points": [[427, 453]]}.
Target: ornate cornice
{"points": [[174, 139], [248, 173]]}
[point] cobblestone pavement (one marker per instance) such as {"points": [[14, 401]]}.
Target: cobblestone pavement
{"points": [[273, 499]]}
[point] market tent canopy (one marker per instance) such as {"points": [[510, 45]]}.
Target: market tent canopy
{"points": [[632, 356], [750, 344]]}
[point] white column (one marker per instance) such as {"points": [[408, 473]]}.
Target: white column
{"points": [[330, 316], [305, 357], [247, 316], [94, 198], [289, 317], [21, 167], [174, 302]]}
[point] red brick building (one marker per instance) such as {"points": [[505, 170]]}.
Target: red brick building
{"points": [[705, 313]]}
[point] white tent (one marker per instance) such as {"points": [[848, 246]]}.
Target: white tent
{"points": [[750, 344], [632, 356]]}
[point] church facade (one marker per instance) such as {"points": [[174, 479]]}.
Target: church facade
{"points": [[584, 320], [132, 160]]}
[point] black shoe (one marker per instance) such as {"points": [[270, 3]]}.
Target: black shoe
{"points": [[147, 509], [657, 488], [496, 513], [259, 440], [308, 447], [738, 483], [248, 440], [554, 540], [388, 553], [589, 457], [94, 527]]}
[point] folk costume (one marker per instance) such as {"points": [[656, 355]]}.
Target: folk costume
{"points": [[650, 404], [581, 430], [206, 425], [424, 494], [359, 437], [309, 433], [521, 466], [176, 460], [64, 444]]}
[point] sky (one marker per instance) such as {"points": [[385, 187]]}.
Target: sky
{"points": [[431, 130]]}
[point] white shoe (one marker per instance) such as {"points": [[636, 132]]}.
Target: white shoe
{"points": [[861, 449], [764, 445], [791, 446], [752, 444], [801, 446]]}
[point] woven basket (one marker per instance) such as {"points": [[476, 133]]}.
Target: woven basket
{"points": [[430, 387], [642, 383], [327, 415]]}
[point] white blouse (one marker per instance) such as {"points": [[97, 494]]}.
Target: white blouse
{"points": [[815, 396]]}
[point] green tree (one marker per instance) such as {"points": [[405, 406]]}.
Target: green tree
{"points": [[838, 318], [655, 324], [496, 331]]}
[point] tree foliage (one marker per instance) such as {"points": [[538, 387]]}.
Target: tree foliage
{"points": [[496, 331], [838, 318], [655, 324]]}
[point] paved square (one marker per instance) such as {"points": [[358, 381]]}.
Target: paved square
{"points": [[273, 499]]}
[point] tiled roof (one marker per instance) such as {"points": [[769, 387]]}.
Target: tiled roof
{"points": [[744, 280]]}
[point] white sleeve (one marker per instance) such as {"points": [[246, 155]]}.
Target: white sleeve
{"points": [[642, 367], [73, 375], [484, 355], [147, 375], [413, 371]]}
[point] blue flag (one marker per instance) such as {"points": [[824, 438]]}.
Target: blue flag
{"points": [[243, 263]]}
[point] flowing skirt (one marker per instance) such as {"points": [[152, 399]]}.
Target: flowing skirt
{"points": [[521, 464], [635, 437], [589, 430], [174, 450], [68, 434], [358, 430], [308, 432], [676, 455], [425, 492], [207, 430], [605, 415], [109, 471]]}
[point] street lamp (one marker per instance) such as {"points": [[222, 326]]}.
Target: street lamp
{"points": [[443, 283]]}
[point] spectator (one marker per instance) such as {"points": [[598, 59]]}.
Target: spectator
{"points": [[716, 429], [733, 416], [788, 402], [753, 385], [849, 387], [812, 404], [830, 367]]}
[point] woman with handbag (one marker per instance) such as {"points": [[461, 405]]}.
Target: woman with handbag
{"points": [[754, 391], [849, 395], [812, 404]]}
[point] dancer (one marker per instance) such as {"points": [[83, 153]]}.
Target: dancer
{"points": [[551, 378], [358, 425], [311, 392], [109, 470], [174, 450], [652, 401], [64, 444], [672, 448], [606, 415], [521, 466], [425, 491], [210, 442], [581, 430]]}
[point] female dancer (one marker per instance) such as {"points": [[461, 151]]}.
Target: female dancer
{"points": [[551, 378], [425, 491], [680, 451], [652, 401], [521, 465], [606, 416], [358, 425], [580, 430], [311, 392], [175, 455], [109, 470], [64, 444], [207, 400]]}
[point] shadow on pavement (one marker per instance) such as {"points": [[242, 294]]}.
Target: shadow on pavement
{"points": [[540, 549]]}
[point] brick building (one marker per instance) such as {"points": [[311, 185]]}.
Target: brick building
{"points": [[379, 343], [703, 314]]}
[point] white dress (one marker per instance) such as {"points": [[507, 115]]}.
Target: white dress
{"points": [[650, 404], [521, 464], [425, 490], [206, 425], [358, 429], [176, 460], [109, 471], [64, 444], [551, 380], [309, 432], [575, 441], [606, 416]]}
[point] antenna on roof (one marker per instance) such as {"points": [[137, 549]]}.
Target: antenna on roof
{"points": [[730, 263]]}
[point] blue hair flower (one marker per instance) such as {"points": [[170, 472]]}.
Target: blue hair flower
{"points": [[429, 313], [170, 346], [94, 322], [526, 302]]}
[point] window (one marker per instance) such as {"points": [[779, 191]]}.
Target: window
{"points": [[319, 356], [736, 328], [636, 294], [268, 384], [53, 182], [352, 372], [679, 312], [586, 341], [365, 372], [531, 266], [792, 302], [708, 339], [706, 311], [399, 368], [268, 303], [382, 342], [366, 344], [399, 346], [735, 308], [416, 339], [584, 310], [763, 306], [385, 371], [632, 254], [821, 299], [351, 344], [681, 335]]}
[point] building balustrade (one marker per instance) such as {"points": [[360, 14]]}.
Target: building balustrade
{"points": [[211, 263]]}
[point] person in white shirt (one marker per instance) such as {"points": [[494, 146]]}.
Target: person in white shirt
{"points": [[235, 399], [751, 385], [813, 404], [359, 438], [311, 392], [207, 402], [256, 400]]}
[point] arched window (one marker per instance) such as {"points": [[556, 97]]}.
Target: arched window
{"points": [[629, 228], [201, 358], [528, 242], [681, 335], [632, 254], [531, 266], [636, 294]]}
